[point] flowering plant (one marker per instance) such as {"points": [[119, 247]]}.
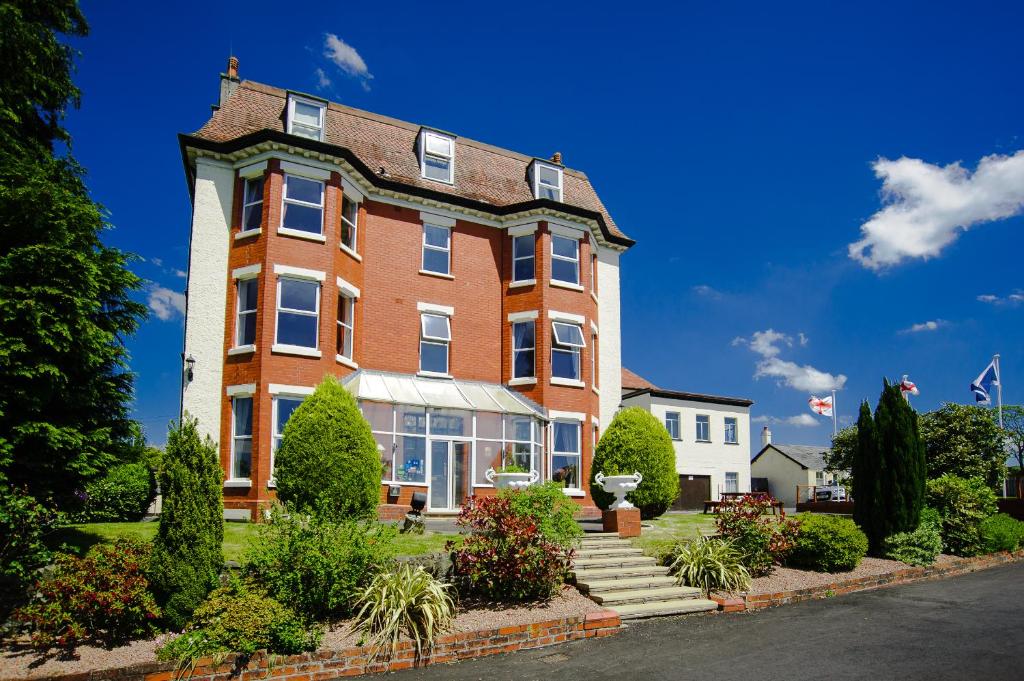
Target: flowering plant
{"points": [[763, 539]]}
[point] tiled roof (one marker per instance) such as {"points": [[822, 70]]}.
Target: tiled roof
{"points": [[808, 456], [632, 381], [482, 173]]}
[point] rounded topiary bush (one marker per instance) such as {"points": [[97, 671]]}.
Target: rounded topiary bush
{"points": [[637, 441], [1001, 532], [828, 543], [328, 463], [124, 493]]}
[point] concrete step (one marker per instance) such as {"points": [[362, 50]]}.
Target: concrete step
{"points": [[614, 551], [684, 606], [585, 574], [605, 544], [630, 583], [613, 561], [655, 595], [601, 535]]}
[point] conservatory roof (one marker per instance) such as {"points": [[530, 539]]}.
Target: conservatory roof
{"points": [[442, 393]]}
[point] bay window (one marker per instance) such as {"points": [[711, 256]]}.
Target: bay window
{"points": [[565, 457], [252, 204], [284, 405], [565, 259], [346, 325], [241, 437], [302, 207], [245, 316], [524, 346], [349, 223], [523, 260], [298, 312], [567, 341]]}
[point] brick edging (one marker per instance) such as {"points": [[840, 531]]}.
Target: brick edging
{"points": [[958, 566], [330, 664]]}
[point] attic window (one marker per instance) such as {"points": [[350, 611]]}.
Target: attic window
{"points": [[547, 182], [437, 157], [306, 117]]}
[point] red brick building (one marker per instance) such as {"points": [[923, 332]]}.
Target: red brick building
{"points": [[467, 295]]}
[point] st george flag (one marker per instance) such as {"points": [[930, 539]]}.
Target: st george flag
{"points": [[908, 386], [821, 405], [982, 385]]}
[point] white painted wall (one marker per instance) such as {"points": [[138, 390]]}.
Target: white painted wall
{"points": [[207, 292], [783, 476], [713, 458], [610, 334]]}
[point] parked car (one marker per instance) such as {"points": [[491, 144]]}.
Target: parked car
{"points": [[827, 493]]}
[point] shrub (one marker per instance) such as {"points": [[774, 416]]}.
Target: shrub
{"points": [[1001, 532], [328, 462], [187, 554], [710, 565], [103, 598], [406, 600], [553, 512], [124, 493], [506, 557], [239, 619], [828, 543], [962, 504], [315, 565], [636, 441], [23, 524], [762, 540], [919, 547]]}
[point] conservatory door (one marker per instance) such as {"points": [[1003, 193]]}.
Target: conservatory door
{"points": [[449, 474]]}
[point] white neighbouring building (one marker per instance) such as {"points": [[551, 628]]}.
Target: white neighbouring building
{"points": [[710, 433], [786, 467]]}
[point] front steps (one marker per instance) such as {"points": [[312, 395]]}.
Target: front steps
{"points": [[618, 576]]}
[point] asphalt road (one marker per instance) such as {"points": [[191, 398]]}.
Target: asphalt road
{"points": [[965, 627]]}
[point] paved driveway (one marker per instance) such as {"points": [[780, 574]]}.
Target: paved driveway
{"points": [[965, 627]]}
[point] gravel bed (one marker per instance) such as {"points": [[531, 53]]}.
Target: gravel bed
{"points": [[21, 662]]}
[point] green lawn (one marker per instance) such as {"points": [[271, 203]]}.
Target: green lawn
{"points": [[80, 538], [666, 530]]}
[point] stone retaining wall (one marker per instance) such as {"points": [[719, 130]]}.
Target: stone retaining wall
{"points": [[331, 664], [958, 566]]}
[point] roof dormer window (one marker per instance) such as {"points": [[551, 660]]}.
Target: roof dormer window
{"points": [[437, 156], [306, 117], [547, 181]]}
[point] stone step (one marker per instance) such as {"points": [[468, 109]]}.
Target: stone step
{"points": [[615, 551], [584, 574], [683, 606], [605, 544], [655, 595], [601, 535], [614, 561], [624, 583]]}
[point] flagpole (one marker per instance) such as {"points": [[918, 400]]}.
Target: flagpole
{"points": [[834, 427], [999, 389]]}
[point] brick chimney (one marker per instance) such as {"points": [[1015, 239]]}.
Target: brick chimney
{"points": [[766, 437], [556, 157], [228, 81]]}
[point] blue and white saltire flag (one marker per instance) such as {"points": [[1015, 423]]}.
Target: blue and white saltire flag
{"points": [[982, 385]]}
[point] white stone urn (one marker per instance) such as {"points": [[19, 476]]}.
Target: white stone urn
{"points": [[511, 480], [620, 486]]}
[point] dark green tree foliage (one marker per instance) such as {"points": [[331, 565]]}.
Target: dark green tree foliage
{"points": [[187, 554], [965, 441], [867, 471], [637, 441], [64, 296], [328, 462], [900, 447]]}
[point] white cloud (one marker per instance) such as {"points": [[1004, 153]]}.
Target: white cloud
{"points": [[801, 377], [798, 421], [930, 325], [322, 80], [165, 303], [928, 205], [346, 58], [803, 339], [157, 261], [706, 291], [180, 273], [1014, 298]]}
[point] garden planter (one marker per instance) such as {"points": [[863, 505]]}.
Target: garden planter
{"points": [[511, 480], [620, 486]]}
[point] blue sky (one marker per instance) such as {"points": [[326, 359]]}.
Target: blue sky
{"points": [[743, 145]]}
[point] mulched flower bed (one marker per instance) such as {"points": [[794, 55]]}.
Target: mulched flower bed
{"points": [[20, 662]]}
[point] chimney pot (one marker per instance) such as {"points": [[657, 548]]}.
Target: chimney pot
{"points": [[766, 436], [556, 157], [233, 67]]}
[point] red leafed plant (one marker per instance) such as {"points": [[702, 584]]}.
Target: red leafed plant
{"points": [[506, 558], [103, 598], [764, 539]]}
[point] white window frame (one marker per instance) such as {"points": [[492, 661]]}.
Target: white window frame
{"points": [[425, 137], [593, 360], [735, 478], [275, 436], [578, 454], [573, 348], [292, 99], [447, 251], [677, 433], [532, 256], [239, 312], [246, 204], [697, 423], [538, 184], [429, 339], [235, 437], [735, 431], [532, 348], [347, 349], [307, 313], [352, 224], [575, 260], [297, 202]]}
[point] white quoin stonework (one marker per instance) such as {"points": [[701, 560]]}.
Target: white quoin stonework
{"points": [[609, 339], [207, 285]]}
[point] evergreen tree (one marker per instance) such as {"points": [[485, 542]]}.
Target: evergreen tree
{"points": [[901, 450], [187, 552], [868, 474], [328, 463], [64, 296]]}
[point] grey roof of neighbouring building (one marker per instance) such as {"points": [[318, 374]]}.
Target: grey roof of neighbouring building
{"points": [[808, 456]]}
